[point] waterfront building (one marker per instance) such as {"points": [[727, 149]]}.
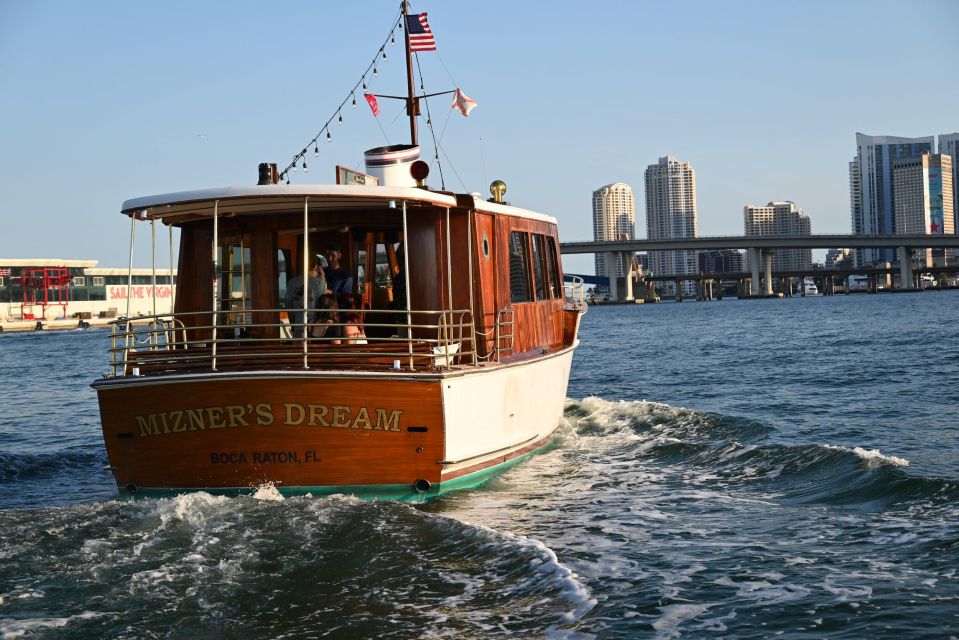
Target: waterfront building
{"points": [[949, 145], [49, 288], [671, 213], [614, 218], [839, 259], [924, 202], [721, 261], [871, 188], [780, 218]]}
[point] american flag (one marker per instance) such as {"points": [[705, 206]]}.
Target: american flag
{"points": [[421, 38]]}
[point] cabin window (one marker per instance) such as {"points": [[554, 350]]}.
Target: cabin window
{"points": [[78, 281], [375, 274], [519, 267], [380, 283], [552, 269], [97, 281], [539, 269], [1, 281], [234, 280], [283, 273]]}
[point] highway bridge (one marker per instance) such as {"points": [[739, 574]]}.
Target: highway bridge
{"points": [[761, 248]]}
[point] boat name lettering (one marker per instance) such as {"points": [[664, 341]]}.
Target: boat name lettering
{"points": [[263, 415]]}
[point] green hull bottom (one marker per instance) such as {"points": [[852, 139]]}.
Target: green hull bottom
{"points": [[395, 492]]}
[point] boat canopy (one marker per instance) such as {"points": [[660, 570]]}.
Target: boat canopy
{"points": [[268, 199]]}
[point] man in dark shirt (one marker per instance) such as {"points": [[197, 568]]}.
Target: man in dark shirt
{"points": [[338, 279]]}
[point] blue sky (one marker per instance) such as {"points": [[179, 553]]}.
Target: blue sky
{"points": [[105, 101]]}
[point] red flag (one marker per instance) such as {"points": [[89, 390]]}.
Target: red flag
{"points": [[374, 105], [463, 102]]}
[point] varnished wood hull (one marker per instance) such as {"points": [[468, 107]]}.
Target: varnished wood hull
{"points": [[384, 435]]}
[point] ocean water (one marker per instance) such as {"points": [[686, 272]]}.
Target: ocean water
{"points": [[735, 469]]}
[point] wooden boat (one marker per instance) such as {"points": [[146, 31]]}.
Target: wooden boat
{"points": [[470, 333]]}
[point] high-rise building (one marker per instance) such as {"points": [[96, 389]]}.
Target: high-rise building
{"points": [[949, 145], [924, 202], [671, 213], [721, 261], [872, 193], [614, 218], [839, 259], [780, 218]]}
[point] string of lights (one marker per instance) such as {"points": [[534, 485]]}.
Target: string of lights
{"points": [[370, 72]]}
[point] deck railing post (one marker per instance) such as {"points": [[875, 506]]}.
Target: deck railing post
{"points": [[216, 279], [306, 278], [133, 229], [153, 260], [449, 282], [170, 276], [409, 292]]}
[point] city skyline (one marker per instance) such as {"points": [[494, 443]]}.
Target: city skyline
{"points": [[102, 109]]}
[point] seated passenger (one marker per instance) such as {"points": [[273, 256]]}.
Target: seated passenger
{"points": [[315, 287], [352, 320], [353, 327], [327, 325]]}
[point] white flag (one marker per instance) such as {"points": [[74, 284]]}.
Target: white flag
{"points": [[464, 103]]}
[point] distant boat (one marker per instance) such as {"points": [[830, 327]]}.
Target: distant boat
{"points": [[807, 287]]}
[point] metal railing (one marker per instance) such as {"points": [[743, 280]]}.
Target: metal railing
{"points": [[575, 294], [241, 340]]}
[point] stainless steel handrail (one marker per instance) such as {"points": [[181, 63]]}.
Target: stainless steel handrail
{"points": [[575, 294], [431, 339]]}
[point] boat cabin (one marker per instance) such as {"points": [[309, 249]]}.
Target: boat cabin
{"points": [[439, 280]]}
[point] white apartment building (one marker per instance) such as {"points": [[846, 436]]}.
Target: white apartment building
{"points": [[614, 218], [925, 202], [779, 218], [671, 213]]}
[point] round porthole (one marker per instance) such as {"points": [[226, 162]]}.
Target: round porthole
{"points": [[486, 247]]}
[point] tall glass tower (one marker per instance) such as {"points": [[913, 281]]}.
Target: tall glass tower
{"points": [[872, 196]]}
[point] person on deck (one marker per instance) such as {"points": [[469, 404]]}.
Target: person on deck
{"points": [[327, 321], [315, 287], [339, 280], [352, 319]]}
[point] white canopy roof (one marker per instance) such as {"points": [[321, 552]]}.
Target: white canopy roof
{"points": [[279, 198]]}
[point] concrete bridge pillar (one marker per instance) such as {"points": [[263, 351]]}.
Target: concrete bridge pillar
{"points": [[611, 272], [905, 268], [679, 290], [629, 285], [768, 271], [754, 266]]}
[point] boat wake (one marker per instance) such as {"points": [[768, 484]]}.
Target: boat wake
{"points": [[355, 568], [719, 451]]}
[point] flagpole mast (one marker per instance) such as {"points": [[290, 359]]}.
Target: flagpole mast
{"points": [[411, 99]]}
